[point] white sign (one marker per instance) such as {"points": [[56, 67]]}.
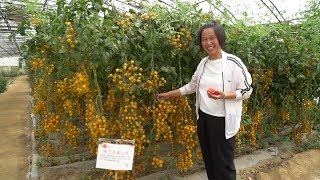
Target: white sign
{"points": [[115, 156]]}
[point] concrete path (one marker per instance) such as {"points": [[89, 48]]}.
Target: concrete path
{"points": [[241, 163], [15, 143]]}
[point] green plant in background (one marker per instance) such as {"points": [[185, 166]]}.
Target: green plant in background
{"points": [[310, 143], [3, 84], [11, 74]]}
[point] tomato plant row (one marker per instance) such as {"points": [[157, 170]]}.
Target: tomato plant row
{"points": [[95, 72]]}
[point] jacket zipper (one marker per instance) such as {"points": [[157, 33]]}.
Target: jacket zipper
{"points": [[222, 82], [198, 93]]}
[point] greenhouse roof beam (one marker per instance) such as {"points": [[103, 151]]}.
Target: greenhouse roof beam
{"points": [[166, 4], [221, 12], [197, 3], [137, 5], [4, 50], [45, 5], [9, 27], [277, 10], [271, 11]]}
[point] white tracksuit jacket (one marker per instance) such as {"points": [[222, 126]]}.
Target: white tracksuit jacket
{"points": [[236, 78]]}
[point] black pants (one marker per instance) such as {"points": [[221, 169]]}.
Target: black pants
{"points": [[217, 151]]}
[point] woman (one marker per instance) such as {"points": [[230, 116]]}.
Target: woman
{"points": [[218, 109]]}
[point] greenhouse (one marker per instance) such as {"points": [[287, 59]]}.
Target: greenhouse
{"points": [[118, 89]]}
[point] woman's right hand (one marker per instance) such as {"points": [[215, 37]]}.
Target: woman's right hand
{"points": [[162, 96], [169, 94]]}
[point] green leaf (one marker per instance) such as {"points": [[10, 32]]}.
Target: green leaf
{"points": [[292, 79], [301, 76], [82, 46], [132, 11], [62, 50], [164, 69]]}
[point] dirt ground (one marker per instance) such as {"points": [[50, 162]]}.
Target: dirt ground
{"points": [[15, 148], [287, 165], [15, 141]]}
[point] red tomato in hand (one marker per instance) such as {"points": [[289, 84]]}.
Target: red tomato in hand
{"points": [[213, 91]]}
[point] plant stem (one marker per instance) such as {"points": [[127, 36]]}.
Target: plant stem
{"points": [[99, 97], [180, 78]]}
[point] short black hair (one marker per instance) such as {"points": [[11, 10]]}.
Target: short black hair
{"points": [[218, 29]]}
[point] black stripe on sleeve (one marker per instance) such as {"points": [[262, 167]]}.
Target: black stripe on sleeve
{"points": [[248, 86]]}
